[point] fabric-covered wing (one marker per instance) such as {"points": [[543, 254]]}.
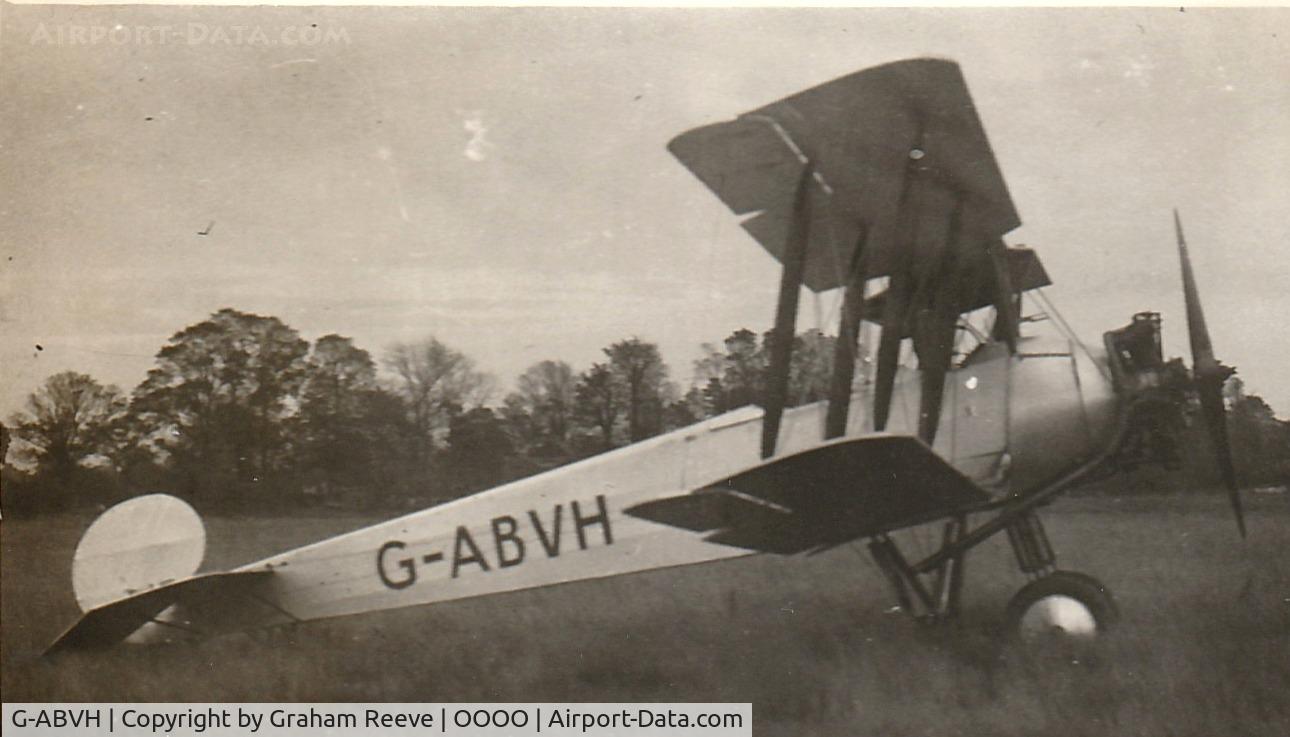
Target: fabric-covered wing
{"points": [[979, 286], [828, 495], [221, 597], [858, 132]]}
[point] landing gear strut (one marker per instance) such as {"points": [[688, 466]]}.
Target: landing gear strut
{"points": [[935, 603], [1055, 603]]}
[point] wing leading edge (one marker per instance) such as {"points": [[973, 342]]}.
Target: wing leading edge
{"points": [[822, 497]]}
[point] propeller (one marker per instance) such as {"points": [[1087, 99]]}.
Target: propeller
{"points": [[1209, 376]]}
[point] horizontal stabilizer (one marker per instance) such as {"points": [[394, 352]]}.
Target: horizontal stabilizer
{"points": [[831, 494], [214, 594]]}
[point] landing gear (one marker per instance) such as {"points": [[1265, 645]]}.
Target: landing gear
{"points": [[1056, 603], [938, 602], [1063, 604], [1072, 605]]}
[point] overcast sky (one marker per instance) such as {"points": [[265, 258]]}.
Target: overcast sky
{"points": [[499, 178]]}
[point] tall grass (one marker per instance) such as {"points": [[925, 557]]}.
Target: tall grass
{"points": [[1203, 648]]}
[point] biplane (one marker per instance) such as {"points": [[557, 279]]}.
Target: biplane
{"points": [[881, 184]]}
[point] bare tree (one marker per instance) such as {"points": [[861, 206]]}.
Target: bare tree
{"points": [[546, 393], [436, 383]]}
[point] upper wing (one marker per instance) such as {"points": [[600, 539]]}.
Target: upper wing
{"points": [[825, 496], [859, 132], [903, 176], [222, 601], [978, 285]]}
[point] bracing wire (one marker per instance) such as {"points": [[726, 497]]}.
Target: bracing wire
{"points": [[1065, 328]]}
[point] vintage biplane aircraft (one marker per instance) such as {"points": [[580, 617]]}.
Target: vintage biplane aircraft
{"points": [[881, 179]]}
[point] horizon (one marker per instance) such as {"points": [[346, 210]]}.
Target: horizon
{"points": [[498, 177]]}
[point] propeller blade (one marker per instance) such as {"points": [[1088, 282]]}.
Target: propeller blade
{"points": [[1202, 350], [1211, 404], [1209, 376]]}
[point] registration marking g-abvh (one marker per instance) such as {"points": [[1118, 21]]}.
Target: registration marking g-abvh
{"points": [[514, 540]]}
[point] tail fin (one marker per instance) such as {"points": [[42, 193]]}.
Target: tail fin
{"points": [[138, 545]]}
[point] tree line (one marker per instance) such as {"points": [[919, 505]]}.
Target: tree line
{"points": [[239, 411]]}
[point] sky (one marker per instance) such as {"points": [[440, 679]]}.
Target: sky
{"points": [[498, 178]]}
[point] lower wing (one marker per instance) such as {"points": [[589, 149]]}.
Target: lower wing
{"points": [[822, 497]]}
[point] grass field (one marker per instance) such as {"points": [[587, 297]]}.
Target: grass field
{"points": [[1203, 648]]}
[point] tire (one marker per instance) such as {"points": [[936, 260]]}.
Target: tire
{"points": [[1064, 605]]}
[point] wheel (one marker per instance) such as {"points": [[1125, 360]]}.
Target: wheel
{"points": [[1064, 604]]}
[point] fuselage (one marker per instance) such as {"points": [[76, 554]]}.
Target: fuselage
{"points": [[1010, 422], [1014, 422]]}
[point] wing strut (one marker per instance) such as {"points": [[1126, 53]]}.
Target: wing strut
{"points": [[790, 290], [844, 352], [895, 316], [1007, 298], [937, 317]]}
